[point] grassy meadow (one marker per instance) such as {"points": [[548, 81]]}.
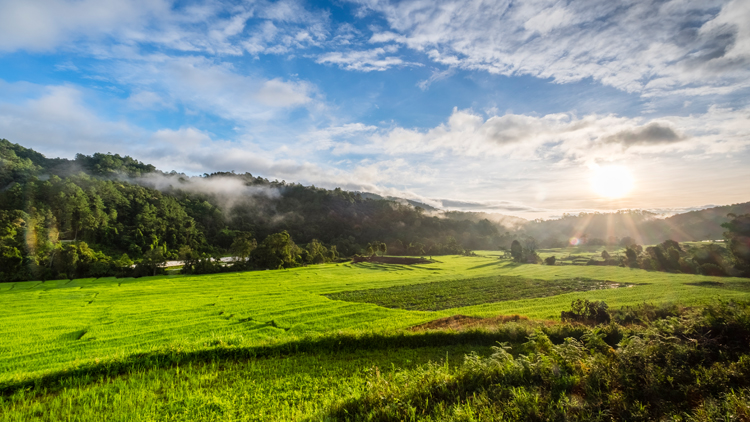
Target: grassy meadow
{"points": [[277, 345]]}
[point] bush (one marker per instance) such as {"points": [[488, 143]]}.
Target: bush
{"points": [[695, 367], [585, 311]]}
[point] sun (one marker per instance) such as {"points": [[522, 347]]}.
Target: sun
{"points": [[611, 181]]}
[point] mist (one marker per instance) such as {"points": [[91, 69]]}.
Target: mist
{"points": [[228, 191]]}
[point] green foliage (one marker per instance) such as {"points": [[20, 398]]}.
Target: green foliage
{"points": [[525, 254], [316, 253], [112, 165], [644, 313], [738, 239], [87, 200], [710, 259], [277, 251], [681, 368], [153, 261], [586, 311], [516, 250], [243, 245]]}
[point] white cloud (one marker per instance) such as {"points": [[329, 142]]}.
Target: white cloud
{"points": [[366, 60], [437, 75], [650, 48], [46, 24], [58, 119], [147, 100], [279, 93], [564, 137], [102, 27], [212, 87]]}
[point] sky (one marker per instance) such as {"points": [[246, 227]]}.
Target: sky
{"points": [[528, 108]]}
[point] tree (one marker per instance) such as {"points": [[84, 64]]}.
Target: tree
{"points": [[333, 253], [123, 265], [153, 260], [606, 255], [738, 241], [516, 251], [530, 244], [275, 252], [243, 245], [316, 252], [11, 246], [74, 259], [11, 264], [415, 248], [632, 256]]}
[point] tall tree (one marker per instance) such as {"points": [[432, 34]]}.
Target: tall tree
{"points": [[738, 240]]}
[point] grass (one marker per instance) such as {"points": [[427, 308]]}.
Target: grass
{"points": [[41, 322], [438, 296], [97, 343], [285, 388]]}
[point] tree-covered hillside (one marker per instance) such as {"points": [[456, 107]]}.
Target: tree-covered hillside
{"points": [[93, 215]]}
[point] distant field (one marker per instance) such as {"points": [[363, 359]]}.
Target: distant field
{"points": [[52, 328], [442, 295]]}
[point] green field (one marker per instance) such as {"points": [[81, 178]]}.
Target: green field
{"points": [[447, 294], [232, 346]]}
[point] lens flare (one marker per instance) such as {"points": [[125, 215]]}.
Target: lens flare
{"points": [[574, 241]]}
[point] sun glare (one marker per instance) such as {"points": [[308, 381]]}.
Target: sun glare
{"points": [[611, 181]]}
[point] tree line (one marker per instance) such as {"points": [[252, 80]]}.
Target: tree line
{"points": [[711, 259]]}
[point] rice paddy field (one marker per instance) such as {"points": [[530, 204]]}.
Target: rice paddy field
{"points": [[277, 345]]}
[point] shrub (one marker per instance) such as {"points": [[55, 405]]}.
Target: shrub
{"points": [[695, 367], [585, 311]]}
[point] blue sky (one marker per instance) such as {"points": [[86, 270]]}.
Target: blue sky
{"points": [[500, 106]]}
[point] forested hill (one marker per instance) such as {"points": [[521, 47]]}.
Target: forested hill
{"points": [[121, 208], [643, 227]]}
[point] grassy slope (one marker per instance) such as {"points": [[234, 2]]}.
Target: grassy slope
{"points": [[59, 324], [287, 388]]}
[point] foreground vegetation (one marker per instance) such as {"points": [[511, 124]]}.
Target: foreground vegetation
{"points": [[272, 345], [693, 366], [675, 363]]}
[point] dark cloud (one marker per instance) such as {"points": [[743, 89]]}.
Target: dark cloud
{"points": [[511, 128], [651, 134]]}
